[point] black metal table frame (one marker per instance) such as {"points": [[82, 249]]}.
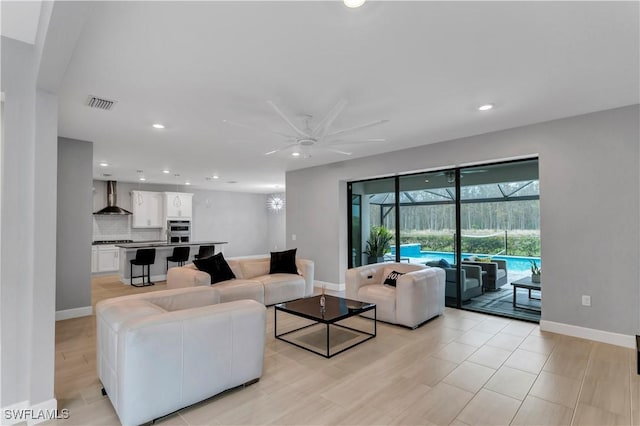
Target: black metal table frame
{"points": [[328, 324], [529, 287]]}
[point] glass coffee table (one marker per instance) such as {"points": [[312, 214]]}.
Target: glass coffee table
{"points": [[336, 309]]}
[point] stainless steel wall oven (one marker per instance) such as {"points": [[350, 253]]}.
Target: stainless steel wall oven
{"points": [[178, 231]]}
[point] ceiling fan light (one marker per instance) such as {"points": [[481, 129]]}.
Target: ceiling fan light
{"points": [[353, 3]]}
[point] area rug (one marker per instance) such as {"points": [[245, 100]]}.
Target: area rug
{"points": [[502, 303]]}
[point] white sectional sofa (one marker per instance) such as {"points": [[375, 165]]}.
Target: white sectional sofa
{"points": [[417, 297], [253, 281], [159, 352]]}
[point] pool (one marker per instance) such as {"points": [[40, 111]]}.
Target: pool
{"points": [[517, 264]]}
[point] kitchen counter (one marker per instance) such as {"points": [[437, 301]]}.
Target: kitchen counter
{"points": [[158, 270], [160, 244]]}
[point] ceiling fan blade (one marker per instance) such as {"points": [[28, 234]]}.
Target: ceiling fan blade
{"points": [[280, 149], [324, 124], [244, 126], [353, 129], [286, 119], [343, 142], [338, 151]]}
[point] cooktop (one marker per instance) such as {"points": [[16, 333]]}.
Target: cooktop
{"points": [[111, 242]]}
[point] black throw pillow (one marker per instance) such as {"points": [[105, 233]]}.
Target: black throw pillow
{"points": [[215, 266], [283, 262], [444, 264], [392, 278]]}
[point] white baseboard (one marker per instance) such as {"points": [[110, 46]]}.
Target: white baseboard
{"points": [[23, 412], [45, 411], [329, 286], [10, 414], [589, 333], [84, 311]]}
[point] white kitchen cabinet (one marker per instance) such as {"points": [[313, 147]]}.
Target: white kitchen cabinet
{"points": [[147, 209], [108, 258], [94, 259], [178, 205]]}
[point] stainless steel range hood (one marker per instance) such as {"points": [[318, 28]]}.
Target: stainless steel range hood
{"points": [[112, 199]]}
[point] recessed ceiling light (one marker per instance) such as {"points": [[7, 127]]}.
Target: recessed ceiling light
{"points": [[353, 3], [187, 183], [104, 164], [485, 107], [295, 154], [158, 126], [165, 171], [216, 177], [142, 178], [426, 180]]}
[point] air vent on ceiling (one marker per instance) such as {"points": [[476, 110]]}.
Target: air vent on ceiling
{"points": [[100, 103]]}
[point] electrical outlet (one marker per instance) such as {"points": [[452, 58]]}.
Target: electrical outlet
{"points": [[293, 237], [586, 300]]}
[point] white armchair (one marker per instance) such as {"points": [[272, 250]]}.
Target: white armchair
{"points": [[417, 297]]}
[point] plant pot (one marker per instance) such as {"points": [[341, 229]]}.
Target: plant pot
{"points": [[374, 259], [535, 278]]}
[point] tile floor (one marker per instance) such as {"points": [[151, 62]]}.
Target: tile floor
{"points": [[462, 368]]}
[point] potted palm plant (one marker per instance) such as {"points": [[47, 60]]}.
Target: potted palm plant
{"points": [[535, 272], [378, 244]]}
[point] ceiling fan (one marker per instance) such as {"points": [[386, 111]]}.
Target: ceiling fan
{"points": [[319, 136], [451, 175]]}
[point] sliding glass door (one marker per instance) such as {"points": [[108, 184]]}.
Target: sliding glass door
{"points": [[428, 224], [372, 222], [500, 233], [481, 224]]}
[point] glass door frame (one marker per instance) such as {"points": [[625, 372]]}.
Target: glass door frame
{"points": [[458, 214]]}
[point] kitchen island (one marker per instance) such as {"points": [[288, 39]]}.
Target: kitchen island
{"points": [[164, 249]]}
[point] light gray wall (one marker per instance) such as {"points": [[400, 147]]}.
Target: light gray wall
{"points": [[18, 77], [589, 207], [73, 277], [44, 242], [27, 260], [241, 219]]}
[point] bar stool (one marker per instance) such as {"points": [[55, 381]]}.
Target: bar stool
{"points": [[144, 257], [180, 255], [205, 251]]}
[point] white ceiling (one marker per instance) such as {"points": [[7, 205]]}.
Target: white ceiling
{"points": [[425, 66], [19, 20]]}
